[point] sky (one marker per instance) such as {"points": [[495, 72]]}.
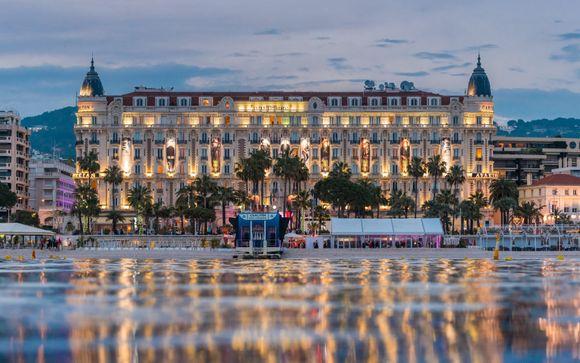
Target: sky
{"points": [[530, 49]]}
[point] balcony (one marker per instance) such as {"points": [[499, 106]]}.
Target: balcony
{"points": [[456, 142], [204, 141], [181, 142], [415, 142], [227, 141], [94, 142], [114, 142], [435, 141], [159, 142], [79, 142], [204, 158], [375, 141], [254, 141], [335, 141], [138, 142], [478, 142], [395, 141]]}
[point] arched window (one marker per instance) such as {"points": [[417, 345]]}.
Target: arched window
{"points": [[183, 102]]}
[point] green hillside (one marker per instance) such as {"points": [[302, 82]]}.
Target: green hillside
{"points": [[563, 127], [53, 129]]}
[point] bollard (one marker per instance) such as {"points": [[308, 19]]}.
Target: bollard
{"points": [[560, 257], [496, 250], [508, 258], [8, 257], [33, 254]]}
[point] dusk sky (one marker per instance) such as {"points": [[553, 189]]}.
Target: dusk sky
{"points": [[530, 49]]}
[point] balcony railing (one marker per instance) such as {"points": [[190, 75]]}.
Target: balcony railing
{"points": [[478, 142], [94, 142]]}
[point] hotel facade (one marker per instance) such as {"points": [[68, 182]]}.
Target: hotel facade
{"points": [[164, 139]]}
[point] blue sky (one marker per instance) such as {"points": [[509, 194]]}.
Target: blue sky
{"points": [[530, 49]]}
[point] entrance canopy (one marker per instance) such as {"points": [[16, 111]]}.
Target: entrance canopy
{"points": [[385, 227], [18, 229]]}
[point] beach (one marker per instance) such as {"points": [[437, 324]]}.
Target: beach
{"points": [[331, 254]]}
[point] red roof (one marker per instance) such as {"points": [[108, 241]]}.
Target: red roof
{"points": [[284, 95], [558, 179]]}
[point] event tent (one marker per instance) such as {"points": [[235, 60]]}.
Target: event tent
{"points": [[18, 229], [385, 227]]}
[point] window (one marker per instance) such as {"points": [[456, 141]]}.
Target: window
{"points": [[375, 101], [375, 120], [159, 154], [375, 169], [413, 101], [315, 121], [204, 169], [335, 137], [434, 101], [393, 101], [184, 102], [456, 154], [335, 152], [315, 169], [138, 169], [478, 168], [139, 101], [137, 153], [354, 120], [226, 153], [162, 102], [455, 120], [354, 101], [204, 153], [478, 154], [315, 153], [227, 169], [434, 120], [554, 191], [93, 120], [334, 101], [115, 120], [398, 120], [394, 171], [478, 120], [335, 120], [395, 137]]}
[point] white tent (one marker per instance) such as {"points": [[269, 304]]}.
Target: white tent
{"points": [[18, 229], [385, 227]]}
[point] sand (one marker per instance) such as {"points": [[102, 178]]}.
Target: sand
{"points": [[332, 254]]}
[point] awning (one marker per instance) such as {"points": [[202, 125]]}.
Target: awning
{"points": [[18, 229], [385, 227]]}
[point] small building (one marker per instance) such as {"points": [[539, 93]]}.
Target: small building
{"points": [[259, 233], [557, 191], [382, 233], [52, 190]]}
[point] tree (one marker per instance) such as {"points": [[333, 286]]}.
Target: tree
{"points": [[436, 167], [340, 170], [416, 170], [455, 177], [320, 215], [259, 162], [401, 204], [504, 197], [301, 201], [115, 217], [114, 177], [225, 195], [206, 188], [560, 217], [139, 198], [90, 164], [442, 206], [8, 199], [27, 217], [243, 171], [479, 201], [86, 206], [283, 169], [529, 212], [336, 191]]}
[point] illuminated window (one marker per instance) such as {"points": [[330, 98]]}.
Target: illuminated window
{"points": [[478, 154], [227, 120]]}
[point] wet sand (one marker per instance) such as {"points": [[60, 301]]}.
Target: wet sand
{"points": [[332, 254]]}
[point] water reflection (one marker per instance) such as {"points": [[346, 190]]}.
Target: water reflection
{"points": [[399, 310]]}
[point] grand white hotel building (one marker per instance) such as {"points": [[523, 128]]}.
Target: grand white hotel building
{"points": [[164, 139]]}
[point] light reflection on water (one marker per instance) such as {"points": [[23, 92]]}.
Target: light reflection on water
{"points": [[291, 310]]}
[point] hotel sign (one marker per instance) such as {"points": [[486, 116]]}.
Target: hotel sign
{"points": [[258, 216], [483, 175], [282, 106]]}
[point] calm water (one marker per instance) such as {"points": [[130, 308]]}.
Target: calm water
{"points": [[290, 311]]}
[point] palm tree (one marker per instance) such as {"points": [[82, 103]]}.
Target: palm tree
{"points": [[259, 162], [340, 169], [529, 212], [436, 167], [560, 217], [479, 201], [455, 177], [206, 188], [284, 168], [86, 205], [114, 177], [181, 210], [320, 215], [90, 164], [504, 197], [115, 217], [139, 198], [446, 203], [225, 195], [243, 172], [301, 202], [416, 170], [186, 195]]}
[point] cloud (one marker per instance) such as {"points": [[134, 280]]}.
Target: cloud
{"points": [[434, 55], [272, 31], [387, 42], [569, 36], [290, 54], [252, 53], [338, 63], [281, 77], [569, 53], [322, 38], [517, 69], [412, 74], [480, 47], [450, 67]]}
